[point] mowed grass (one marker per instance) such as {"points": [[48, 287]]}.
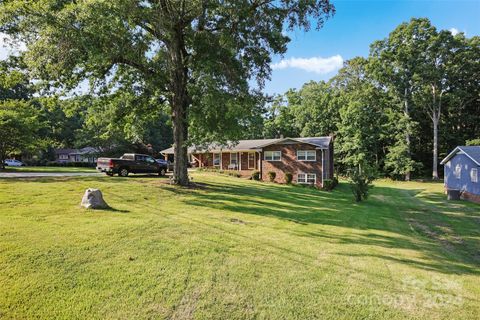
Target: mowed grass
{"points": [[235, 249], [47, 169]]}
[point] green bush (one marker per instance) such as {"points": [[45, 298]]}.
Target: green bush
{"points": [[360, 183], [288, 177], [272, 175], [256, 175], [328, 184], [233, 173], [335, 182], [71, 164]]}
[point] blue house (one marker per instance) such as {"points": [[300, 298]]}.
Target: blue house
{"points": [[462, 172]]}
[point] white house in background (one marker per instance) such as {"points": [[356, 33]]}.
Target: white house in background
{"points": [[87, 154]]}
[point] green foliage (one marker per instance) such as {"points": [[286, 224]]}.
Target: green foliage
{"points": [[256, 175], [361, 130], [473, 142], [360, 182], [18, 127], [288, 177], [19, 123], [271, 176], [328, 185], [199, 59], [70, 164]]}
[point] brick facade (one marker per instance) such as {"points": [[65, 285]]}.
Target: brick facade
{"points": [[470, 197], [288, 162]]}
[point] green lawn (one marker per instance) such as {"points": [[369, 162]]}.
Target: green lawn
{"points": [[47, 169], [235, 249]]}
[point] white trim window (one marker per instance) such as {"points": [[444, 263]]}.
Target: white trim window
{"points": [[234, 159], [306, 155], [474, 175], [272, 156], [458, 171], [216, 159], [63, 157], [307, 178]]}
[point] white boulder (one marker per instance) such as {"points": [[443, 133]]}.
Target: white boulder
{"points": [[93, 199]]}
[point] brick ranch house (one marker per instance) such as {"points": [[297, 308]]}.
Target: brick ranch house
{"points": [[309, 160]]}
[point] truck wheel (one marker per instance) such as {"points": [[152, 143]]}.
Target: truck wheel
{"points": [[123, 172], [162, 172]]}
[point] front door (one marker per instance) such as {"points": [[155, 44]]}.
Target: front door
{"points": [[251, 160]]}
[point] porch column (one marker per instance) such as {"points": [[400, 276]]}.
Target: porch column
{"points": [[240, 166], [221, 160]]}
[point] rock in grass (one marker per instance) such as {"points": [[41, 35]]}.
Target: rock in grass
{"points": [[93, 199]]}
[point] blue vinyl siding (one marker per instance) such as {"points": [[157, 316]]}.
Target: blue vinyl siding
{"points": [[464, 183]]}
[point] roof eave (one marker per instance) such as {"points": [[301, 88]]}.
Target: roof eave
{"points": [[454, 152]]}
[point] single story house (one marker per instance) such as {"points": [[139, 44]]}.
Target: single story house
{"points": [[87, 154], [462, 172], [309, 160]]}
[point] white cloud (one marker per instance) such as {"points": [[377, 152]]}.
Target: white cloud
{"points": [[315, 64], [454, 31], [9, 46]]}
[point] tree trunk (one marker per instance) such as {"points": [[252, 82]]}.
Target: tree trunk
{"points": [[435, 146], [407, 134], [180, 135], [180, 102]]}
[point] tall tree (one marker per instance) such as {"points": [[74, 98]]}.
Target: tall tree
{"points": [[18, 116], [360, 128], [280, 117], [189, 53], [317, 112], [434, 77], [394, 63]]}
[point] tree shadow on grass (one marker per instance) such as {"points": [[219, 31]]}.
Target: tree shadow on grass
{"points": [[447, 234]]}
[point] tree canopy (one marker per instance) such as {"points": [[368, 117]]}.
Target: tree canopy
{"points": [[198, 56]]}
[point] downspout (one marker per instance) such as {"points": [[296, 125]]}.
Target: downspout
{"points": [[323, 166]]}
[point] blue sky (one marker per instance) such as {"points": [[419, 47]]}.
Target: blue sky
{"points": [[318, 54], [354, 27]]}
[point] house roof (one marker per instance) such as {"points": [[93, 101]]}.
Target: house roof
{"points": [[86, 150], [64, 151], [473, 152], [243, 145]]}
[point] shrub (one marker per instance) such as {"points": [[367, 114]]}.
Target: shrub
{"points": [[233, 173], [288, 177], [328, 184], [256, 175], [71, 164], [360, 183], [272, 175], [335, 182]]}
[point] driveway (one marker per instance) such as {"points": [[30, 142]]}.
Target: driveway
{"points": [[48, 174]]}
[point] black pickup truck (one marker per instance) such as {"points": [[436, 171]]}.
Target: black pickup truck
{"points": [[130, 163]]}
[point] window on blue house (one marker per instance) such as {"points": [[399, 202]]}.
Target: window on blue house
{"points": [[474, 175], [458, 171]]}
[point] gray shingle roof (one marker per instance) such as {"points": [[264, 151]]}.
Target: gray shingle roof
{"points": [[242, 145], [473, 152]]}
